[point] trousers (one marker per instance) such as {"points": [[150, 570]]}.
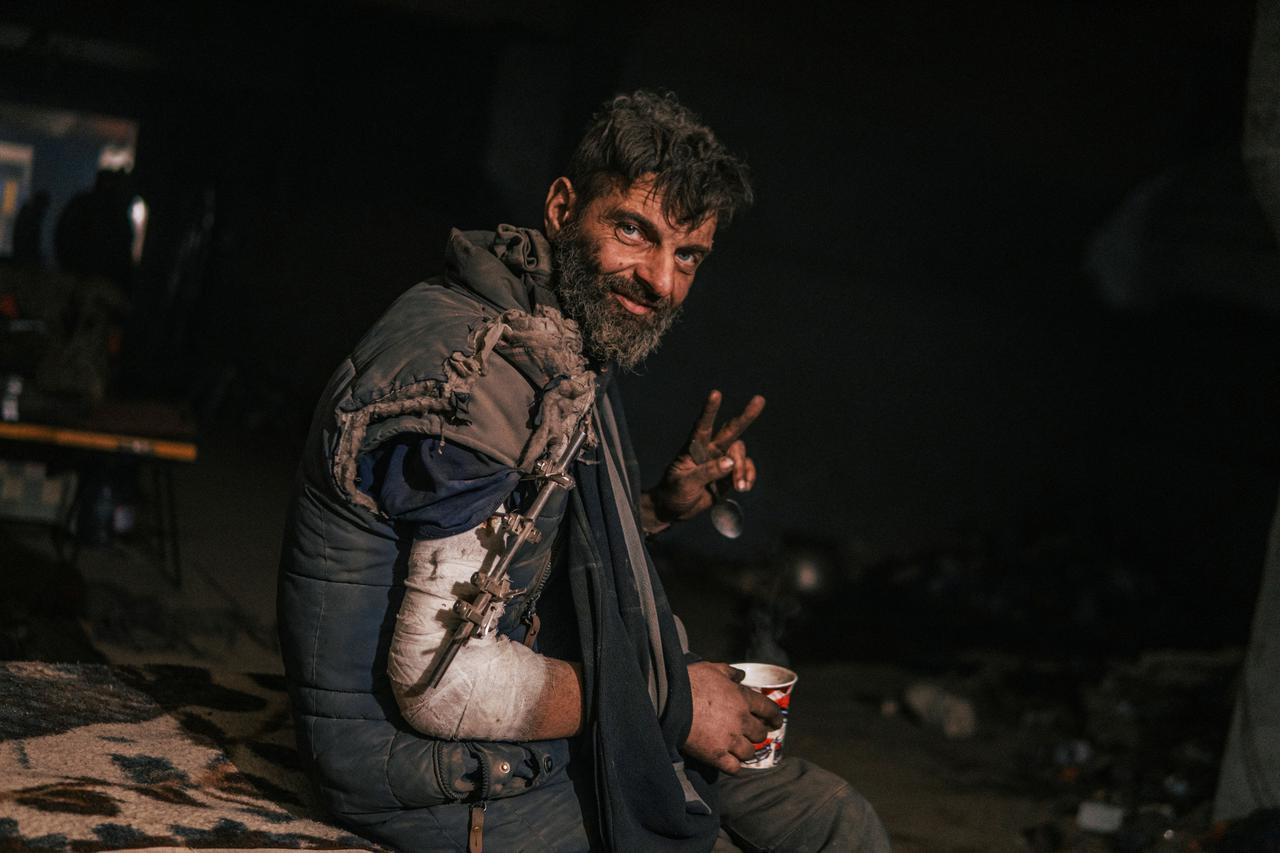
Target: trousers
{"points": [[796, 807]]}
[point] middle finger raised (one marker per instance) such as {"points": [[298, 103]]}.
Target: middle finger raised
{"points": [[738, 424]]}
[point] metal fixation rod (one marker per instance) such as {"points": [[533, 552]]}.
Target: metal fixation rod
{"points": [[479, 617]]}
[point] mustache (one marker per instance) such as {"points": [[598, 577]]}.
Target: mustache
{"points": [[609, 332], [635, 291]]}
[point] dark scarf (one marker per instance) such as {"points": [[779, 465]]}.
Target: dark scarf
{"points": [[642, 796], [646, 798]]}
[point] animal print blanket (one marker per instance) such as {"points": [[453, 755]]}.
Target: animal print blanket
{"points": [[97, 757]]}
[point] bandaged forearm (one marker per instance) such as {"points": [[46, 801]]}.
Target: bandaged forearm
{"points": [[494, 688]]}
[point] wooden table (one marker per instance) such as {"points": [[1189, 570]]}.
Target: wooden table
{"points": [[104, 442], [154, 433]]}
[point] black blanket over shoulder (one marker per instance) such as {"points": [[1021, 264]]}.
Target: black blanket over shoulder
{"points": [[641, 797]]}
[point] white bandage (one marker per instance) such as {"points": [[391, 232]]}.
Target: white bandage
{"points": [[492, 685]]}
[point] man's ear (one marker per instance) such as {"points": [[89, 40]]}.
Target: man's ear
{"points": [[559, 208]]}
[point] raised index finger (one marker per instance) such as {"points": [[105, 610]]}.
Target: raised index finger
{"points": [[736, 426], [707, 420]]}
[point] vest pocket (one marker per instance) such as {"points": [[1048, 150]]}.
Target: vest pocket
{"points": [[427, 772]]}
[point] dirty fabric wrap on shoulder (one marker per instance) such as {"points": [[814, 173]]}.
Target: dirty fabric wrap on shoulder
{"points": [[544, 347], [553, 343]]}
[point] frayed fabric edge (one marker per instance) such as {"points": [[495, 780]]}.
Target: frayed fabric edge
{"points": [[551, 340]]}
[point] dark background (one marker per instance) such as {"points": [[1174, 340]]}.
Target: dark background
{"points": [[1005, 286]]}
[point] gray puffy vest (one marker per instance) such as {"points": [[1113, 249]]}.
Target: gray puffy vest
{"points": [[477, 357]]}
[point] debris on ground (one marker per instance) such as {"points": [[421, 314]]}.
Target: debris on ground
{"points": [[1102, 818], [938, 709]]}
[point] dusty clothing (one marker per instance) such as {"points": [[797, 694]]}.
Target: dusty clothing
{"points": [[471, 359], [494, 684], [481, 360], [796, 807]]}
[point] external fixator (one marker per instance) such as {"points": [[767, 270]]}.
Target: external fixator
{"points": [[479, 616]]}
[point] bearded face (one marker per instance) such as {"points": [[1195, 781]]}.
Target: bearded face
{"points": [[609, 331]]}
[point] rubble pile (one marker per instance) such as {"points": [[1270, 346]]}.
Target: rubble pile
{"points": [[1136, 760]]}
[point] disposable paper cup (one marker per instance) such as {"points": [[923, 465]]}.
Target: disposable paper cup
{"points": [[775, 682]]}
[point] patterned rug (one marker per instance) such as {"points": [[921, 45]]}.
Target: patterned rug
{"points": [[96, 757]]}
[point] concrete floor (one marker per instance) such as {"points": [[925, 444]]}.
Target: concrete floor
{"points": [[933, 795]]}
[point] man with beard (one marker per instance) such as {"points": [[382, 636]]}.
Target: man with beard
{"points": [[581, 721]]}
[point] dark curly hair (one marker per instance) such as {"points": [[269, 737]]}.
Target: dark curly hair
{"points": [[653, 133]]}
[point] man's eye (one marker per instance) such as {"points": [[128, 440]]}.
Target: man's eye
{"points": [[628, 229], [687, 257]]}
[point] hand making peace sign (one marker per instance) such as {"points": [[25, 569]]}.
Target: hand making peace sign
{"points": [[686, 487]]}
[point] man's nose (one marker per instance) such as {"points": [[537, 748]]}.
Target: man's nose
{"points": [[658, 275]]}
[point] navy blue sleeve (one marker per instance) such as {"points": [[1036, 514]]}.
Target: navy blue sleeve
{"points": [[441, 488]]}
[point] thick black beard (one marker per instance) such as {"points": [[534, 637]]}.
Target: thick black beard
{"points": [[609, 332]]}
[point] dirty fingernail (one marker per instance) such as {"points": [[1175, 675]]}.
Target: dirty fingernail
{"points": [[726, 463], [742, 484]]}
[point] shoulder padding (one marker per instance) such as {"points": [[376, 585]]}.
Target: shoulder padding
{"points": [[514, 390]]}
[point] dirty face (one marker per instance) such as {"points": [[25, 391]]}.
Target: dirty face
{"points": [[622, 269]]}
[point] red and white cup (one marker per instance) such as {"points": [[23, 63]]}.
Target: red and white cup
{"points": [[775, 682]]}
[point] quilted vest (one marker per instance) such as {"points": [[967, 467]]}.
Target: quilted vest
{"points": [[464, 357]]}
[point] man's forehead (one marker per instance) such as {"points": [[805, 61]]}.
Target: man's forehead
{"points": [[644, 197]]}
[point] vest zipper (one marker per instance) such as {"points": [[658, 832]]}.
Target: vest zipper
{"points": [[530, 616]]}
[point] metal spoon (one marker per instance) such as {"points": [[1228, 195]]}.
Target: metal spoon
{"points": [[726, 514]]}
